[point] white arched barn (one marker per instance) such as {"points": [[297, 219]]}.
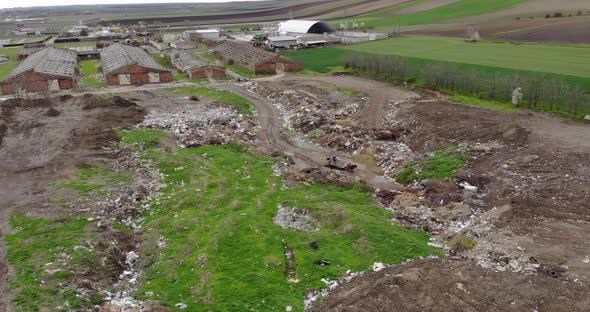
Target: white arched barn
{"points": [[305, 27]]}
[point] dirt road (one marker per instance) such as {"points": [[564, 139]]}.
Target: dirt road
{"points": [[304, 154], [379, 94]]}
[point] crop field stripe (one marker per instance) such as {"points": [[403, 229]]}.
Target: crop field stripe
{"points": [[454, 10], [565, 60]]}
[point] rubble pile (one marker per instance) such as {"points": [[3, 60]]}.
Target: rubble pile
{"points": [[318, 115], [203, 124]]}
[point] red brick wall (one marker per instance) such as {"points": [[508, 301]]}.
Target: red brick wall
{"points": [[217, 72], [112, 80], [35, 82], [165, 77], [66, 84], [266, 68], [6, 88], [140, 78], [291, 67], [198, 73]]}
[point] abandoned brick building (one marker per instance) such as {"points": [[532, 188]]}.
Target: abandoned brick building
{"points": [[255, 59], [125, 65], [195, 68], [49, 69]]}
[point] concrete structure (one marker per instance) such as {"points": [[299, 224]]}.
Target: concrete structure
{"points": [[50, 69], [256, 60], [351, 37], [282, 41], [305, 27], [195, 68], [183, 45], [201, 35], [125, 65]]}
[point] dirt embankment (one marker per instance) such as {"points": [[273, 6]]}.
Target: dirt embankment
{"points": [[526, 217], [42, 140]]}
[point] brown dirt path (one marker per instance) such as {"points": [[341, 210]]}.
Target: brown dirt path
{"points": [[379, 94], [303, 154]]}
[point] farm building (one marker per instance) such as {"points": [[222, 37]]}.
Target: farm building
{"points": [[282, 41], [257, 60], [182, 45], [305, 27], [201, 35], [195, 68], [49, 69], [124, 65]]}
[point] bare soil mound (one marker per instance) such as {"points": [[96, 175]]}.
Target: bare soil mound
{"points": [[455, 285]]}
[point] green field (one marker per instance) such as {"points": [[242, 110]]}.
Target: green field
{"points": [[5, 69], [454, 10], [564, 60]]}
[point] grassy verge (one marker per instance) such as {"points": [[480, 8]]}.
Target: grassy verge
{"points": [[224, 253], [44, 255], [489, 104], [92, 177], [439, 166], [223, 96], [6, 68], [89, 70]]}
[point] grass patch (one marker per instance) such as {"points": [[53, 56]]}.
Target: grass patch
{"points": [[6, 68], [163, 60], [222, 96], [147, 138], [89, 69], [440, 166], [35, 251], [224, 253], [78, 44], [493, 105], [92, 177]]}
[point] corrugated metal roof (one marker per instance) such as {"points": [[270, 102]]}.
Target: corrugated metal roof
{"points": [[49, 61], [118, 56], [304, 27], [244, 52], [184, 60], [283, 38]]}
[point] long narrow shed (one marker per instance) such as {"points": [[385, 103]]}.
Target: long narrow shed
{"points": [[195, 68], [124, 65], [49, 69]]}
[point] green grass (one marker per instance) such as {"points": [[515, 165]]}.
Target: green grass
{"points": [[146, 137], [163, 60], [321, 60], [489, 104], [92, 177], [439, 166], [36, 246], [563, 60], [6, 68], [218, 207], [222, 96], [89, 69], [457, 9]]}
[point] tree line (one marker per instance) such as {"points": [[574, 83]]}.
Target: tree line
{"points": [[541, 91]]}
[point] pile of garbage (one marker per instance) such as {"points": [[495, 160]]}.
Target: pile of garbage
{"points": [[204, 124]]}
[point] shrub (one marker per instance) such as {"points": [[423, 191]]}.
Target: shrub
{"points": [[557, 14]]}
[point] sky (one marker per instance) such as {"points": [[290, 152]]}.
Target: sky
{"points": [[29, 3]]}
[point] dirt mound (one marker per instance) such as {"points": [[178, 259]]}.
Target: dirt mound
{"points": [[455, 285], [52, 112], [436, 125], [320, 175]]}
